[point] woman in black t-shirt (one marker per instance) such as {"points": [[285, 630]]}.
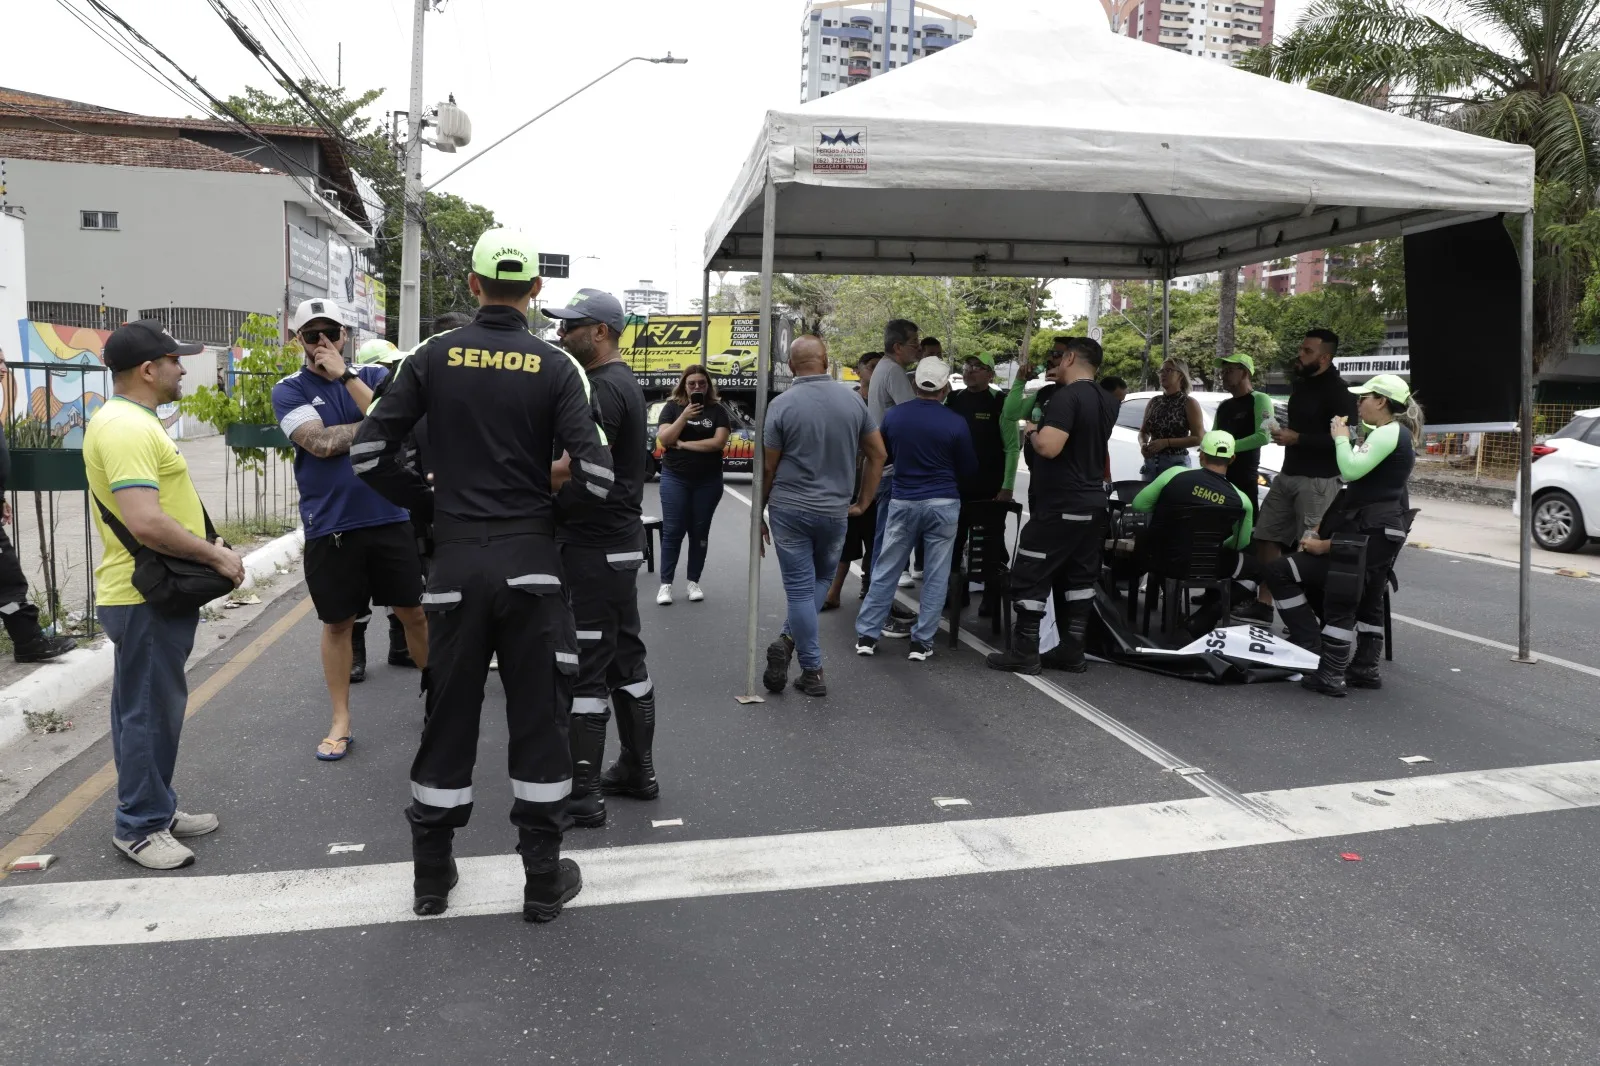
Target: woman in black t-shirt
{"points": [[694, 429]]}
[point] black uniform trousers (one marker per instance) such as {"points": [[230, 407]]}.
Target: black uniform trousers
{"points": [[17, 612], [1058, 548], [1302, 579], [605, 607], [495, 595]]}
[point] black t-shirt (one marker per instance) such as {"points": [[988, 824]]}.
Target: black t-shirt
{"points": [[612, 523], [980, 408], [1237, 415], [1074, 481], [692, 465], [1041, 400]]}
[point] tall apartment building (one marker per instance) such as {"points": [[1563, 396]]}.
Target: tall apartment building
{"points": [[1220, 30], [645, 300], [845, 42]]}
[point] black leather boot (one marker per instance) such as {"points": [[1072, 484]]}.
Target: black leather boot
{"points": [[399, 654], [551, 881], [1023, 655], [358, 653], [1301, 621], [433, 870], [1069, 654], [1329, 677], [587, 805], [634, 772], [1363, 671]]}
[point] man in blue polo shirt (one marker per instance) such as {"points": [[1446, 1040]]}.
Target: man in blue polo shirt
{"points": [[359, 546]]}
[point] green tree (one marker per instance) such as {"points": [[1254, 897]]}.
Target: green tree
{"points": [[1528, 73], [266, 361]]}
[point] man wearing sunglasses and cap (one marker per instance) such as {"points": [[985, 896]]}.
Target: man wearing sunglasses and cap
{"points": [[502, 407], [360, 548], [602, 549]]}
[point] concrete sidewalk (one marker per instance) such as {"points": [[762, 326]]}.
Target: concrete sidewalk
{"points": [[1478, 529]]}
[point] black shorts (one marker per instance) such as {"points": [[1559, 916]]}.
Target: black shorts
{"points": [[378, 564], [858, 534]]}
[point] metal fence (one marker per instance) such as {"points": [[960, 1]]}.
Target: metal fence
{"points": [[260, 495], [1490, 456]]}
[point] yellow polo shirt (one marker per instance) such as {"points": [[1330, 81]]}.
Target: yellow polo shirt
{"points": [[126, 446]]}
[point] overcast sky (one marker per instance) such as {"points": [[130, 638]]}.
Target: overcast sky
{"points": [[631, 172]]}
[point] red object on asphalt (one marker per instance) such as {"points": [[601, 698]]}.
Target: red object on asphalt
{"points": [[1350, 856]]}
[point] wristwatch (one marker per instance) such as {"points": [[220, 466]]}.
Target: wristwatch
{"points": [[348, 375]]}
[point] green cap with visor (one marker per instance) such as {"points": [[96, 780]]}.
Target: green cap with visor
{"points": [[1218, 444], [1243, 360], [1389, 386], [983, 357], [505, 255]]}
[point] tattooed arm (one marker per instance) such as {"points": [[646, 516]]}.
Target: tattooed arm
{"points": [[324, 442]]}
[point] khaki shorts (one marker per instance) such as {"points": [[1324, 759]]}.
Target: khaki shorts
{"points": [[1294, 505]]}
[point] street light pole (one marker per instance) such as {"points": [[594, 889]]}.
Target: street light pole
{"points": [[668, 59], [411, 210]]}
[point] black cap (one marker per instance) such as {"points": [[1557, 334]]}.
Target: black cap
{"points": [[592, 303], [134, 343]]}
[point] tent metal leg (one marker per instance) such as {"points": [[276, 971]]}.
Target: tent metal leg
{"points": [[1166, 319], [769, 225], [1525, 460], [705, 316]]}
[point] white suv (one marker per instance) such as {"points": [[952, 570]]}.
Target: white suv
{"points": [[1566, 485]]}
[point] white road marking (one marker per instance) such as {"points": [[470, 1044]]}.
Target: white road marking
{"points": [[950, 801], [148, 910], [662, 823], [1486, 642], [1414, 759], [741, 497], [345, 849], [1509, 564]]}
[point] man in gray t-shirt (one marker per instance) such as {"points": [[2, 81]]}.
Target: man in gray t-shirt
{"points": [[813, 434], [891, 384]]}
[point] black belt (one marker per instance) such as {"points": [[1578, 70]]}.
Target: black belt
{"points": [[450, 530]]}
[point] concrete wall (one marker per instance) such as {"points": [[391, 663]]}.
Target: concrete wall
{"points": [[189, 238]]}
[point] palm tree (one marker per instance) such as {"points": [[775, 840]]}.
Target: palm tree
{"points": [[1524, 72]]}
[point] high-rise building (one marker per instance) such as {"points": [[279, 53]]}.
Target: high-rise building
{"points": [[1220, 30], [645, 300], [845, 42]]}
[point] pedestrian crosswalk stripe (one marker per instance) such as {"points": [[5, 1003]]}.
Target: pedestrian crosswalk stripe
{"points": [[157, 909]]}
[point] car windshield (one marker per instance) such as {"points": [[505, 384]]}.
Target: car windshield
{"points": [[1578, 429]]}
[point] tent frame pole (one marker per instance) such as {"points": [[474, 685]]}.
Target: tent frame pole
{"points": [[1166, 318], [705, 316], [769, 226], [1525, 460]]}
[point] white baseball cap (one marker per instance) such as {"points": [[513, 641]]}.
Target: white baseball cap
{"points": [[931, 374], [318, 308]]}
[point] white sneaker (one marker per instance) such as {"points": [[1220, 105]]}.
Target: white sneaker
{"points": [[664, 596], [696, 594], [158, 851], [907, 581], [915, 571], [192, 825]]}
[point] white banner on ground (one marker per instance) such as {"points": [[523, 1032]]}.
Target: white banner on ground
{"points": [[1255, 644]]}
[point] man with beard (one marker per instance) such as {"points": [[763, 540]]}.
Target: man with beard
{"points": [[602, 548]]}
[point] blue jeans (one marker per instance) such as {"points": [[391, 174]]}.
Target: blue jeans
{"points": [[149, 692], [931, 524], [1154, 465], [808, 547], [885, 494], [687, 508]]}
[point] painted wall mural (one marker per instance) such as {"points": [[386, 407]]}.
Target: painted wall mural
{"points": [[67, 397]]}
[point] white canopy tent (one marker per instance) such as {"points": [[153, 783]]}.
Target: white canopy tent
{"points": [[1047, 146]]}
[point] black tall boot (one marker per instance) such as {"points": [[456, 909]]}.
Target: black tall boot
{"points": [[399, 654], [1363, 671], [1069, 654], [587, 805], [1023, 655], [1329, 678], [550, 881], [433, 870], [1302, 623], [358, 653], [634, 772]]}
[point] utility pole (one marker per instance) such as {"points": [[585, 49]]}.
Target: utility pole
{"points": [[1094, 305], [411, 234]]}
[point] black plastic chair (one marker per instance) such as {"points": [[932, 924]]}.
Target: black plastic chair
{"points": [[1393, 585], [1185, 551], [986, 557], [652, 533]]}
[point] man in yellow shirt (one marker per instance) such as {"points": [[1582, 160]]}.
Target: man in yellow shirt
{"points": [[136, 472]]}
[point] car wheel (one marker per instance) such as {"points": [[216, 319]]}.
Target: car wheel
{"points": [[1557, 522]]}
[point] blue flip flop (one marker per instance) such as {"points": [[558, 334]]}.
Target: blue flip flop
{"points": [[348, 742]]}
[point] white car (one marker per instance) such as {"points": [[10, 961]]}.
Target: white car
{"points": [[1566, 485]]}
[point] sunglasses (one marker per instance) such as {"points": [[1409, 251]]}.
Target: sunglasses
{"points": [[567, 325], [315, 336]]}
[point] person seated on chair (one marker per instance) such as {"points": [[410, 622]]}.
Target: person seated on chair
{"points": [[1206, 487], [1350, 555]]}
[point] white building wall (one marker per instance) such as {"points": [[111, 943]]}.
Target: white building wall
{"points": [[187, 238]]}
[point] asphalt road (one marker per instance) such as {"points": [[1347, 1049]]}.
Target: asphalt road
{"points": [[1232, 932]]}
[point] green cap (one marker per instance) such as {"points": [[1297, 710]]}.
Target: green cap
{"points": [[376, 350], [1243, 360], [983, 357], [505, 255], [1218, 444], [1388, 386]]}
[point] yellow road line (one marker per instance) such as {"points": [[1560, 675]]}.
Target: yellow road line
{"points": [[57, 819]]}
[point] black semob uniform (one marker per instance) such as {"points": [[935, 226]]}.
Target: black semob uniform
{"points": [[501, 405], [602, 549], [1066, 529]]}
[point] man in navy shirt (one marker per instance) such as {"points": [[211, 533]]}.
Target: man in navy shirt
{"points": [[359, 546], [931, 449]]}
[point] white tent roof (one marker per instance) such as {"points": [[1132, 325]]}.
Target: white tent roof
{"points": [[1048, 146]]}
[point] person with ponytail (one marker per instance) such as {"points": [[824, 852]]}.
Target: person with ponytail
{"points": [[1351, 554]]}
